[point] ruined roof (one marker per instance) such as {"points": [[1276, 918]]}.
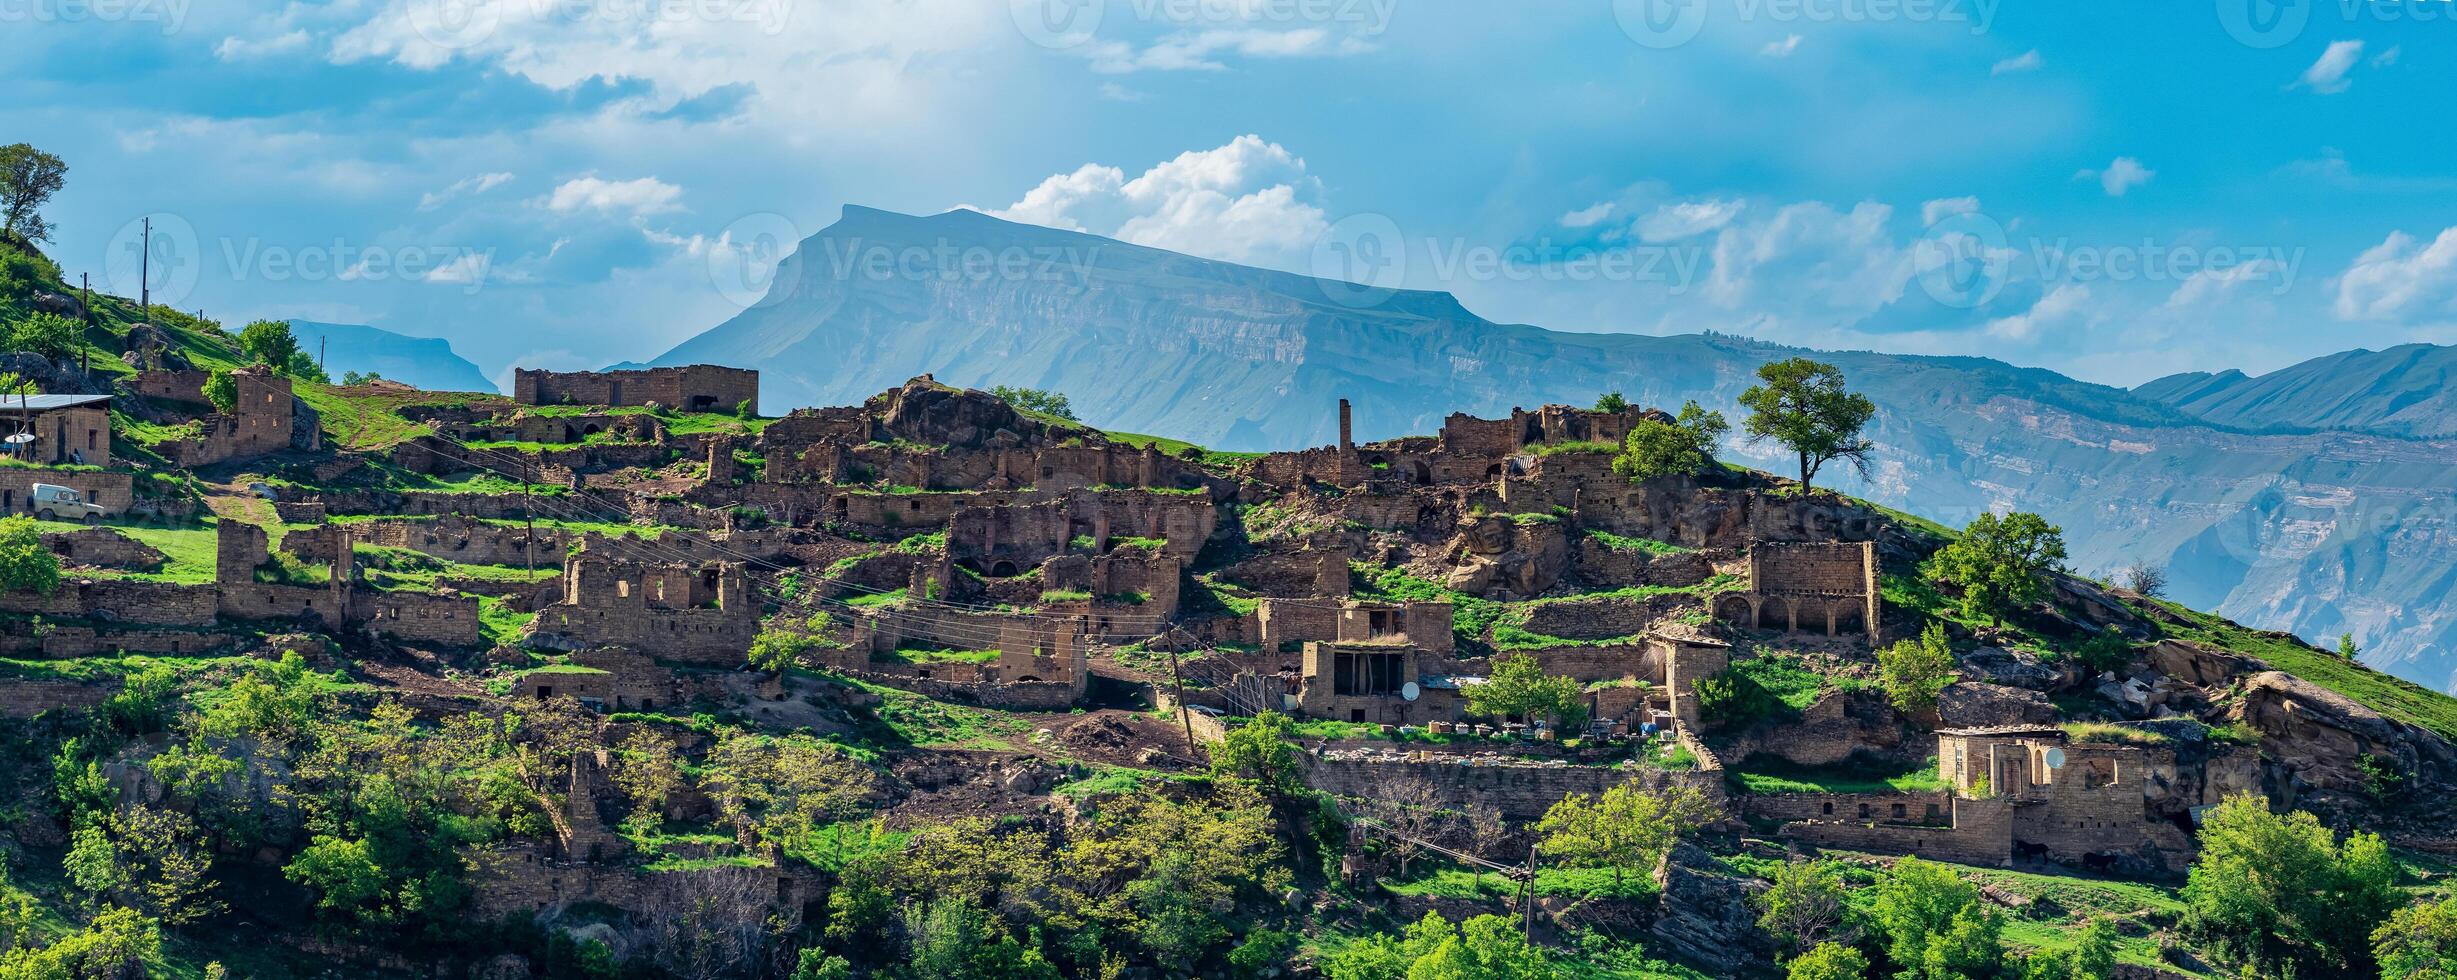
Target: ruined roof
{"points": [[46, 403]]}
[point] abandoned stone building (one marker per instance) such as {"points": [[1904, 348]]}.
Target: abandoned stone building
{"points": [[695, 388], [691, 614], [66, 428], [1827, 588], [265, 415]]}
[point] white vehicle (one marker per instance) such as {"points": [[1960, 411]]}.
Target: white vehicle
{"points": [[55, 503]]}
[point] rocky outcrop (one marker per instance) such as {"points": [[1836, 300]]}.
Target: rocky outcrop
{"points": [[1704, 917], [926, 412], [1496, 556], [1971, 705]]}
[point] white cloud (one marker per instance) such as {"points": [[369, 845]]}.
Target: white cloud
{"points": [[241, 49], [1813, 262], [2061, 305], [2401, 277], [2024, 62], [2327, 76], [2121, 175], [2387, 58], [2212, 286], [1588, 216], [467, 186], [1203, 50], [1247, 201], [1673, 222], [1782, 48], [1937, 210], [646, 195]]}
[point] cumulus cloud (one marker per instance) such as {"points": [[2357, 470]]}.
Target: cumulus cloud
{"points": [[2026, 61], [2327, 76], [2209, 287], [1204, 50], [1589, 216], [1248, 201], [1782, 48], [465, 187], [2061, 305], [644, 196], [1809, 261], [1673, 222], [2120, 175], [2401, 277], [1937, 210]]}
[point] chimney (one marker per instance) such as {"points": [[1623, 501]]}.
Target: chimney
{"points": [[1346, 444]]}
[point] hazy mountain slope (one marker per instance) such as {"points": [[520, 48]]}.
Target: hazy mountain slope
{"points": [[2319, 532], [2406, 390], [424, 362]]}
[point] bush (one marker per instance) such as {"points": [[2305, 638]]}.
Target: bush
{"points": [[49, 335], [1683, 448], [222, 392], [1912, 673], [2002, 564], [25, 565], [1733, 700]]}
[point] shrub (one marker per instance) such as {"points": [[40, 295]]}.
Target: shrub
{"points": [[46, 334], [1913, 672], [2002, 564]]}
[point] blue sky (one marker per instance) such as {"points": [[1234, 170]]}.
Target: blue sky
{"points": [[2113, 190]]}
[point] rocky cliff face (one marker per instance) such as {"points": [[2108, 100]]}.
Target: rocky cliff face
{"points": [[2319, 532]]}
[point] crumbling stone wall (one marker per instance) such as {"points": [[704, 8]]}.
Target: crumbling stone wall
{"points": [[1978, 831], [148, 603], [452, 537], [703, 614], [263, 417], [1810, 587], [1518, 791], [114, 490], [102, 547], [695, 388]]}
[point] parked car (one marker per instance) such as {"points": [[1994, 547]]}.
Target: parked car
{"points": [[55, 503]]}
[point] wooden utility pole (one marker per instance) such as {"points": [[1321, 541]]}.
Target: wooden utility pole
{"points": [[145, 272], [528, 549], [1184, 711], [1527, 905], [85, 287]]}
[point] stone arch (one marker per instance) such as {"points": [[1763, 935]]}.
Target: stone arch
{"points": [[1423, 473], [1002, 569], [1850, 617], [1493, 470], [1737, 609]]}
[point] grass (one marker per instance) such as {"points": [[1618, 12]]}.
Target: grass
{"points": [[1647, 545], [501, 626], [189, 550], [1176, 447], [1762, 775], [1435, 879], [1110, 781], [1783, 676], [916, 654], [2405, 701], [922, 722]]}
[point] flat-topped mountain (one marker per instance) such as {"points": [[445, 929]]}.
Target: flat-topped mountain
{"points": [[2320, 532]]}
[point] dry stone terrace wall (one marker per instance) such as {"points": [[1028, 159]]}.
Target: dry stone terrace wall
{"points": [[148, 603], [101, 547], [453, 537], [28, 698], [1520, 790]]}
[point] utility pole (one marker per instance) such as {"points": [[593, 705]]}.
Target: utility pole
{"points": [[320, 339], [1527, 928], [528, 548], [1185, 711], [145, 272], [85, 288]]}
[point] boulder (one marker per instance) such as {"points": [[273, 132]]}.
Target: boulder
{"points": [[2007, 668], [1704, 917], [1975, 705]]}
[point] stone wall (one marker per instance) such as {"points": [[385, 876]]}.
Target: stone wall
{"points": [[1979, 831], [113, 490], [102, 547], [695, 388], [1521, 791], [28, 698], [452, 537], [147, 603]]}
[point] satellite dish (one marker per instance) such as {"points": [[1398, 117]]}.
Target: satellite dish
{"points": [[1410, 692], [2055, 758], [19, 439]]}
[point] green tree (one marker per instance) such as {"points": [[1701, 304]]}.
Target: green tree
{"points": [[2419, 942], [815, 964], [776, 650], [1829, 961], [25, 564], [1612, 402], [1685, 447], [2002, 563], [1260, 752], [1733, 700], [2347, 647], [784, 787], [1036, 400], [2107, 649], [28, 178], [1913, 672], [952, 940], [1802, 405], [2093, 956], [144, 702], [153, 860], [2283, 893], [1629, 827], [269, 342], [116, 945], [48, 335], [352, 379], [344, 875], [1803, 904], [221, 391], [302, 366], [1934, 924], [1520, 688]]}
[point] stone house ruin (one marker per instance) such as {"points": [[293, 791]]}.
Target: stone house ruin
{"points": [[695, 388], [66, 428], [1821, 588], [701, 614]]}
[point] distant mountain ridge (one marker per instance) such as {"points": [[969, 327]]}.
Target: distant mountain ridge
{"points": [[2405, 390], [425, 362], [2316, 529]]}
